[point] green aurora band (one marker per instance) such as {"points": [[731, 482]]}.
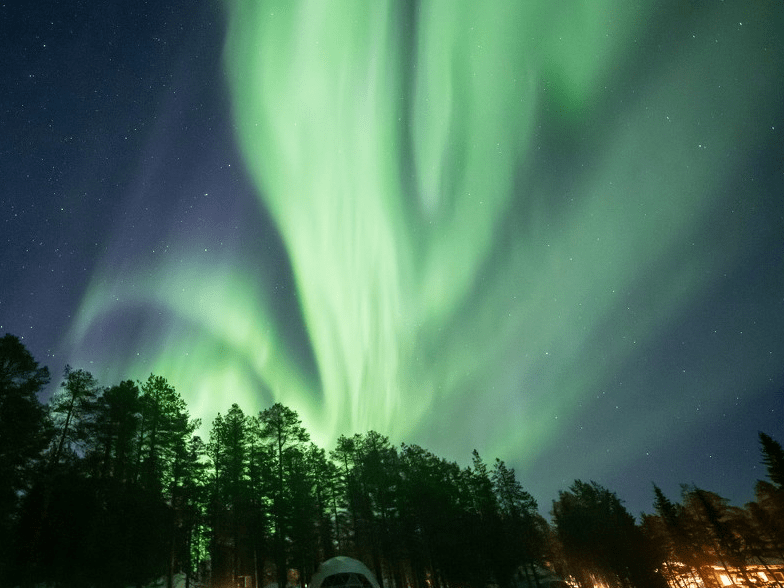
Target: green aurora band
{"points": [[440, 286]]}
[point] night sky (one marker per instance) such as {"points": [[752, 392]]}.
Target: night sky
{"points": [[550, 231]]}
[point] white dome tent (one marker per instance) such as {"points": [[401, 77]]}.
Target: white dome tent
{"points": [[343, 572]]}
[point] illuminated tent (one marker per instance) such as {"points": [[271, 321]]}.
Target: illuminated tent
{"points": [[343, 572]]}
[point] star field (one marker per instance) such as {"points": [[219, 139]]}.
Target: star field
{"points": [[551, 233]]}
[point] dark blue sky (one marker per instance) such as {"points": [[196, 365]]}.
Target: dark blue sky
{"points": [[118, 151]]}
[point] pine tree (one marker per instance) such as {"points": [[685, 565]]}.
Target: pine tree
{"points": [[522, 529], [73, 410], [773, 458], [706, 514], [114, 431], [282, 430], [229, 449], [679, 545], [601, 540], [25, 432]]}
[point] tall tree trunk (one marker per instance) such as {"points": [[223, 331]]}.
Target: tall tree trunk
{"points": [[56, 456]]}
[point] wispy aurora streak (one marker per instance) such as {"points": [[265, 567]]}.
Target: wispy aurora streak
{"points": [[445, 282], [385, 264]]}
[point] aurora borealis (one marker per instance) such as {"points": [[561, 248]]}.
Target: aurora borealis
{"points": [[553, 233]]}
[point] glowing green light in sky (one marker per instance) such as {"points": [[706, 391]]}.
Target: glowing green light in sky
{"points": [[385, 265], [446, 283]]}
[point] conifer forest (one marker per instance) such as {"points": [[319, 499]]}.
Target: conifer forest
{"points": [[113, 485]]}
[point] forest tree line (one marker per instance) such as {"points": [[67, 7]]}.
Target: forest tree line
{"points": [[111, 486]]}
